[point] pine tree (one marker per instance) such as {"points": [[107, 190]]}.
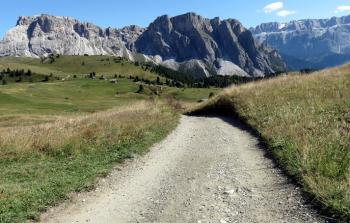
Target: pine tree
{"points": [[29, 73], [141, 89]]}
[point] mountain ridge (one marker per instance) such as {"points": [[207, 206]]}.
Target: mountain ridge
{"points": [[192, 40], [215, 41], [312, 43]]}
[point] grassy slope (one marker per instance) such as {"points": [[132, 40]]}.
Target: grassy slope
{"points": [[68, 65], [305, 121], [79, 95], [82, 95], [57, 137]]}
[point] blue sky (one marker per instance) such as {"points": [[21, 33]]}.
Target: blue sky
{"points": [[118, 13]]}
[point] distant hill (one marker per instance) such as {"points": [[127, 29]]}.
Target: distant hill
{"points": [[310, 43], [188, 43]]}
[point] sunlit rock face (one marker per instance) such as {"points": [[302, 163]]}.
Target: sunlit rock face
{"points": [[311, 43], [223, 47], [188, 43], [42, 35]]}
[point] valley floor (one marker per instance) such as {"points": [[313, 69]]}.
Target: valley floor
{"points": [[208, 170]]}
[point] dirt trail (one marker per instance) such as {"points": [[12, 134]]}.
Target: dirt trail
{"points": [[207, 170]]}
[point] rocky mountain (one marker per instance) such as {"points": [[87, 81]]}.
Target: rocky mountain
{"points": [[210, 45], [311, 43], [188, 43], [42, 35]]}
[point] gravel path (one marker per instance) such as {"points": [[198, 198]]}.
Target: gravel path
{"points": [[207, 170]]}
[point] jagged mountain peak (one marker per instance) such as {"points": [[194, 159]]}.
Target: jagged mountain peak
{"points": [[301, 25], [36, 36], [26, 20], [214, 42], [308, 43]]}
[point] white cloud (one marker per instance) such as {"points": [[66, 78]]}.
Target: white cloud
{"points": [[284, 13], [273, 7], [278, 8], [342, 8]]}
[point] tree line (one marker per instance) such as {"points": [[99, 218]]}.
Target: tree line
{"points": [[21, 75], [189, 80]]}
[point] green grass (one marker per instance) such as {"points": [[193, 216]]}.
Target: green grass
{"points": [[34, 178], [305, 122], [57, 137], [73, 65], [83, 95], [80, 94], [190, 94]]}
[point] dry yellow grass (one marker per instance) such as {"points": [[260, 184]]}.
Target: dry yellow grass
{"points": [[109, 125], [10, 121], [305, 121], [40, 164]]}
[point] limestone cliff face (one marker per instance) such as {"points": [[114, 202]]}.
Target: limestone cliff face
{"points": [[310, 43], [43, 35], [189, 43], [221, 46]]}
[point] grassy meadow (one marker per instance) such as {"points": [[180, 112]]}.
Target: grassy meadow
{"points": [[305, 122], [57, 137], [64, 66], [40, 164]]}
